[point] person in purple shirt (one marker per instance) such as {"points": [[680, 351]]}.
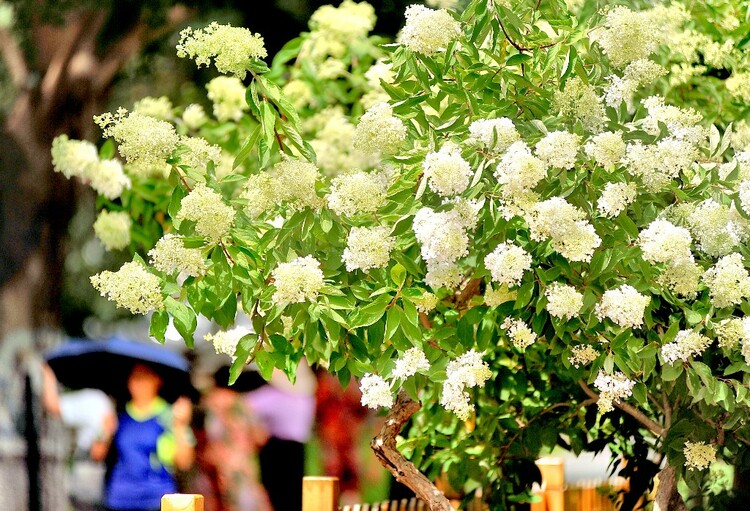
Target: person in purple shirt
{"points": [[288, 412]]}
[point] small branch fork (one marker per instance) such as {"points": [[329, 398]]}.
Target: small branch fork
{"points": [[384, 447], [638, 415]]}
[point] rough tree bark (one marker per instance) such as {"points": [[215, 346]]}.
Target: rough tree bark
{"points": [[405, 472], [667, 496]]}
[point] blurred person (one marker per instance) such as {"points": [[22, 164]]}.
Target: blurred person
{"points": [[339, 418], [287, 411], [85, 412], [233, 437], [150, 440]]}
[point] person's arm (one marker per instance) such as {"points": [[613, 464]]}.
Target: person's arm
{"points": [[101, 445], [50, 393], [184, 452]]}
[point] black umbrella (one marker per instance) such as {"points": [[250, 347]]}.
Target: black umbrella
{"points": [[106, 365]]}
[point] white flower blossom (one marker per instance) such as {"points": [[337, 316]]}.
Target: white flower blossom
{"points": [[428, 31], [613, 388], [563, 301], [113, 229], [624, 306], [368, 247], [698, 455], [447, 171], [686, 344], [411, 362], [558, 149], [225, 341], [376, 392], [615, 198], [507, 263], [297, 281], [728, 281], [496, 135], [131, 287], [519, 333]]}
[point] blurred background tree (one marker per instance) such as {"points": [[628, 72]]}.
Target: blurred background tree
{"points": [[62, 63]]}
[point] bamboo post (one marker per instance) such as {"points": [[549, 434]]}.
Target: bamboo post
{"points": [[320, 493], [181, 502]]}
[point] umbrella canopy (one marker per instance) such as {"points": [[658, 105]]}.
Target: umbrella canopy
{"points": [[107, 364]]}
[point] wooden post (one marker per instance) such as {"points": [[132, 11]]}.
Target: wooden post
{"points": [[553, 482], [181, 502], [320, 493]]}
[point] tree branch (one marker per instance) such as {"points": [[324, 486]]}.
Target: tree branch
{"points": [[14, 59], [384, 447], [638, 415]]}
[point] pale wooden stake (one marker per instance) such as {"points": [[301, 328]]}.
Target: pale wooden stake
{"points": [[320, 493], [181, 502]]}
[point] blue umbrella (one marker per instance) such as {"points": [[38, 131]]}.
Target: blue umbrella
{"points": [[106, 365]]}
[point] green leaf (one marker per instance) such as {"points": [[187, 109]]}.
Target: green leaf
{"points": [[265, 364], [247, 147], [158, 326], [184, 319], [241, 353], [398, 274], [371, 312], [281, 344]]}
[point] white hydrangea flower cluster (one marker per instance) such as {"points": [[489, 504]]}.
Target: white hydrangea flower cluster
{"points": [[428, 31], [683, 123], [498, 296], [442, 4], [228, 96], [495, 135], [625, 306], [425, 303], [260, 192], [131, 287], [657, 165], [613, 388], [739, 85], [572, 236], [80, 158], [558, 149], [507, 263], [627, 36], [579, 100], [229, 47], [637, 74], [743, 192], [170, 255], [199, 153], [563, 301], [448, 173], [411, 362], [333, 145], [143, 141], [729, 332], [607, 149], [368, 247], [518, 170], [615, 198], [444, 240], [194, 116], [728, 281], [380, 70], [746, 339], [299, 93], [376, 391], [582, 355], [113, 229], [158, 108], [297, 281], [698, 455], [716, 229], [468, 370], [682, 278], [213, 218], [73, 157], [349, 21], [294, 184], [519, 333], [379, 131], [664, 242], [686, 344], [225, 341], [361, 192], [740, 140]]}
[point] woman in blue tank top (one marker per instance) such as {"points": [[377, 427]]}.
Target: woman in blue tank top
{"points": [[151, 440]]}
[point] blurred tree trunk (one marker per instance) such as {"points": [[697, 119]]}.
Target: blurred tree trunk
{"points": [[60, 89]]}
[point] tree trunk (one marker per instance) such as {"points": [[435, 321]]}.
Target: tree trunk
{"points": [[667, 496], [405, 472]]}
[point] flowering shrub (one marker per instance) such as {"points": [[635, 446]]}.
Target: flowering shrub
{"points": [[504, 213]]}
